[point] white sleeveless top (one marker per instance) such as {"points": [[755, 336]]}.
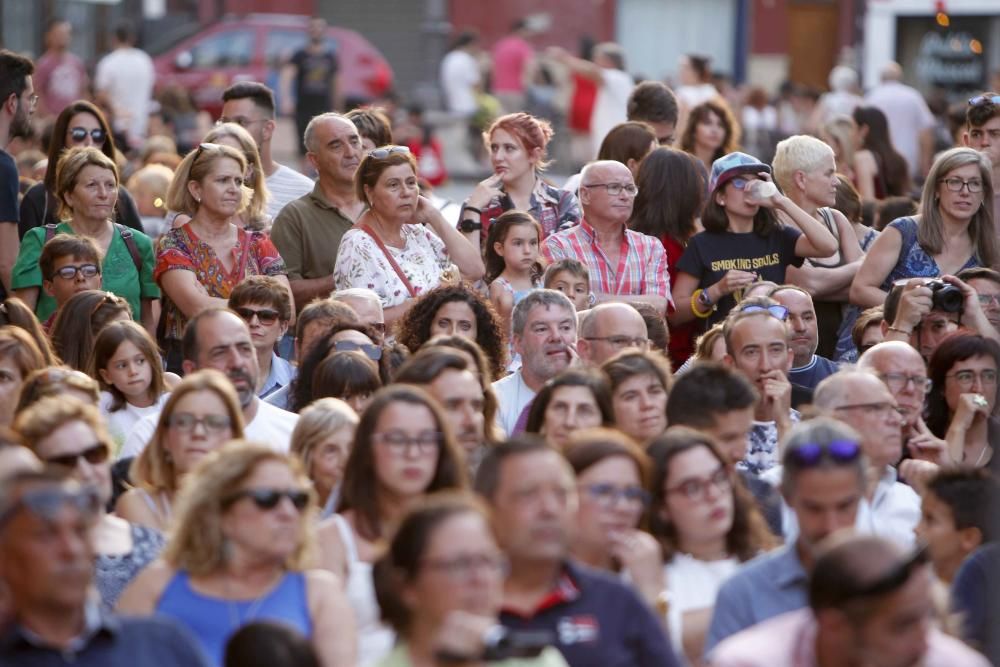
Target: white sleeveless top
{"points": [[375, 639]]}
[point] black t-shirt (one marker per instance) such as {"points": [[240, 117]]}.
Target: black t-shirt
{"points": [[9, 189], [313, 79], [710, 254]]}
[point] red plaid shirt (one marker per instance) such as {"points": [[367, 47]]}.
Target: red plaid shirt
{"points": [[642, 262]]}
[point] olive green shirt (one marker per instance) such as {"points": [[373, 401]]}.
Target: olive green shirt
{"points": [[307, 233]]}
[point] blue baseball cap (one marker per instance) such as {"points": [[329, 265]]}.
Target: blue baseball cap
{"points": [[730, 166]]}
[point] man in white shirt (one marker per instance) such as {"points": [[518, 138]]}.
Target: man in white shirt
{"points": [[218, 338], [250, 105], [124, 80], [911, 123], [460, 75], [544, 334]]}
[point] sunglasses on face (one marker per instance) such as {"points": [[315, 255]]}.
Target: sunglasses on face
{"points": [[778, 311], [95, 454], [46, 503], [265, 316], [78, 134], [268, 499], [383, 153], [69, 271], [810, 454], [373, 352]]}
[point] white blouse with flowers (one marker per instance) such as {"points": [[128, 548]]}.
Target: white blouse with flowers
{"points": [[361, 263]]}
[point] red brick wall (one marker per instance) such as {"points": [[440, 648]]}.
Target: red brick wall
{"points": [[570, 19]]}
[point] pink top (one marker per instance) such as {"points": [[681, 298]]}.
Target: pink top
{"points": [[510, 56], [59, 81]]}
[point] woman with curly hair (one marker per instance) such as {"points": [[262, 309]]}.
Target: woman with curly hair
{"points": [[455, 310], [710, 133]]}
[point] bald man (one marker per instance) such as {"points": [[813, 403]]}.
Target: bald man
{"points": [[608, 329], [911, 123], [624, 265]]}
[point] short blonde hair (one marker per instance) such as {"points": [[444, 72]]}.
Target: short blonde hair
{"points": [[798, 153], [153, 470], [195, 166], [53, 412], [255, 192], [320, 419], [71, 163], [197, 544]]}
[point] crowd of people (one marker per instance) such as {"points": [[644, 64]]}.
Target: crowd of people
{"points": [[692, 407]]}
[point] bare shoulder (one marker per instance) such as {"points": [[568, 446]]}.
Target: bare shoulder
{"points": [[142, 595]]}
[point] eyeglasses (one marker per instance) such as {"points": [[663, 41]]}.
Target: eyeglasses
{"points": [[207, 146], [78, 134], [33, 102], [268, 499], [265, 316], [95, 454], [621, 341], [809, 454], [46, 503], [109, 299], [462, 568], [383, 153], [896, 382], [615, 189], [400, 443], [984, 99], [608, 495], [373, 352], [777, 310], [186, 422], [956, 184], [880, 409], [69, 271], [988, 299], [239, 120], [696, 488], [967, 378]]}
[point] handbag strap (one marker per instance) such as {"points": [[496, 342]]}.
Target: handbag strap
{"points": [[392, 260]]}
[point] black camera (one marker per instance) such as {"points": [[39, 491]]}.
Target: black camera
{"points": [[945, 296], [502, 643]]}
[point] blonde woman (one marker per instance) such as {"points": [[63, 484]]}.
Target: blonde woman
{"points": [[201, 414], [239, 553], [839, 133], [322, 440]]}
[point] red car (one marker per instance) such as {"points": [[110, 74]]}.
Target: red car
{"points": [[253, 48]]}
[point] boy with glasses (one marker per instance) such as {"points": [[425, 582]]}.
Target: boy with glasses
{"points": [[263, 303], [69, 264], [986, 282]]}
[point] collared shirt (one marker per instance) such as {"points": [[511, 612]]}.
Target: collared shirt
{"points": [[596, 620], [106, 641], [307, 233], [281, 375], [553, 208], [642, 261], [771, 584], [512, 395]]}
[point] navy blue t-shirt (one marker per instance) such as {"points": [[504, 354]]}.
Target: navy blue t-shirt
{"points": [[599, 622], [9, 211], [813, 373], [709, 255]]}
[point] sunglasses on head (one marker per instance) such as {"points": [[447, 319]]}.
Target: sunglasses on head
{"points": [[78, 134], [265, 316], [777, 310], [95, 454], [383, 153], [268, 499], [810, 454], [373, 352], [984, 99], [46, 503]]}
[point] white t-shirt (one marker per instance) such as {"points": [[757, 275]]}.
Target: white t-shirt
{"points": [[459, 77], [126, 75], [285, 185], [270, 426], [512, 395], [610, 107], [693, 584], [908, 116], [692, 96], [120, 422]]}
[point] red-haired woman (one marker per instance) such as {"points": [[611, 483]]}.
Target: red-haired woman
{"points": [[517, 143]]}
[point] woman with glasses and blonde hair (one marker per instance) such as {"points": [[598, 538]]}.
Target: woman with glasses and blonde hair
{"points": [[707, 527], [201, 414], [322, 440], [86, 187], [400, 247], [954, 230], [240, 552], [199, 263], [403, 450], [68, 434]]}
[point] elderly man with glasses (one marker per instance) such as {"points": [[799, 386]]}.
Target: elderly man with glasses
{"points": [[624, 265], [610, 328]]}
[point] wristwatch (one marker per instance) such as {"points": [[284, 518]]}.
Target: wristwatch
{"points": [[704, 299], [468, 225]]}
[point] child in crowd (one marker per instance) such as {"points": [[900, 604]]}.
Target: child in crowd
{"points": [[128, 368], [511, 258], [572, 278], [69, 264], [148, 188]]}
